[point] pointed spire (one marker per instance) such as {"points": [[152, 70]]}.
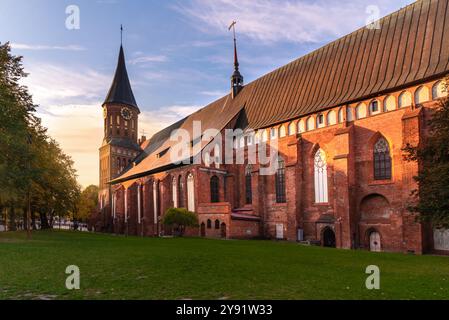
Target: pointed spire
{"points": [[236, 58], [121, 91], [237, 78]]}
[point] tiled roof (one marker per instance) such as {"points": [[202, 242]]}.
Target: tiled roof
{"points": [[411, 46]]}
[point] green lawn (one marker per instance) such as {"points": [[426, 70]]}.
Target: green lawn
{"points": [[142, 268]]}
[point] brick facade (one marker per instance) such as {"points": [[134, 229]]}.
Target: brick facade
{"points": [[330, 189]]}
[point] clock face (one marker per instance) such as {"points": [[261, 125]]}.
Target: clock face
{"points": [[126, 113]]}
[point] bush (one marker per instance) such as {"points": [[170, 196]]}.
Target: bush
{"points": [[178, 219]]}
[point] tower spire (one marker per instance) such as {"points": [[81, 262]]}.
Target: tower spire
{"points": [[121, 91], [237, 78]]}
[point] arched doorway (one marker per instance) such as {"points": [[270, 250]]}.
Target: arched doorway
{"points": [[328, 238], [374, 241], [223, 230], [203, 230]]}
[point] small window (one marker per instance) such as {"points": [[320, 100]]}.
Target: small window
{"points": [[341, 116], [349, 114], [439, 90], [320, 121], [389, 104], [310, 124], [422, 95], [217, 224], [214, 190], [291, 129], [282, 132], [301, 126], [209, 224], [374, 107], [332, 118], [405, 99], [273, 133], [360, 111]]}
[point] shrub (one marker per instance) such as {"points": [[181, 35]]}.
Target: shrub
{"points": [[178, 219]]}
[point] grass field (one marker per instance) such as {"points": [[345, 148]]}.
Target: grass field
{"points": [[142, 268]]}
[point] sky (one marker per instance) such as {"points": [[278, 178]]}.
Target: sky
{"points": [[179, 54]]}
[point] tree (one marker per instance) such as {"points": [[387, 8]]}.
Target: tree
{"points": [[432, 195], [178, 219], [88, 203], [31, 162]]}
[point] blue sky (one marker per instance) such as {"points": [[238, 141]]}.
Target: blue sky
{"points": [[179, 54]]}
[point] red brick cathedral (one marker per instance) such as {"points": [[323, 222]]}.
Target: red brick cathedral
{"points": [[339, 119]]}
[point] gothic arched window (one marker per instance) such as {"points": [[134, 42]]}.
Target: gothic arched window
{"points": [[180, 192], [214, 189], [190, 193], [321, 188], [175, 192], [280, 182], [209, 224], [217, 224], [248, 185], [382, 160]]}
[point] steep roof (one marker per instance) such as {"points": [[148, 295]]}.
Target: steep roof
{"points": [[120, 91], [410, 47]]}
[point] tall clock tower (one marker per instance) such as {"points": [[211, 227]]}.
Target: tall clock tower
{"points": [[120, 147]]}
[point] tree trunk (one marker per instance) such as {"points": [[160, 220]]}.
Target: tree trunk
{"points": [[33, 221], [12, 219], [44, 221]]}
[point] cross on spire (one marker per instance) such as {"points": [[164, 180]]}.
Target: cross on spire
{"points": [[121, 34]]}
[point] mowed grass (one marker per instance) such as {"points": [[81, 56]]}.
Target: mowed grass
{"points": [[116, 267]]}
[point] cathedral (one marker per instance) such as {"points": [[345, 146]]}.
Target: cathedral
{"points": [[337, 118]]}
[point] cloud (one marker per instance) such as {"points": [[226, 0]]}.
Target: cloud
{"points": [[79, 131], [147, 59], [70, 107], [284, 20], [155, 120], [38, 47], [215, 94], [56, 84]]}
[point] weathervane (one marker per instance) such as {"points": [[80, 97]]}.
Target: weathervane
{"points": [[236, 60], [232, 26]]}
